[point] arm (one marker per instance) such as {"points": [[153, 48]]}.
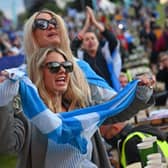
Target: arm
{"points": [[12, 130], [137, 105], [75, 45], [110, 37], [76, 42], [93, 20], [143, 99], [112, 40]]}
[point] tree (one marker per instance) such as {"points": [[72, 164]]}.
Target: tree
{"points": [[80, 4]]}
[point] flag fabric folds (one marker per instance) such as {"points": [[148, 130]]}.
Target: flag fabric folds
{"points": [[11, 61], [114, 64], [74, 127]]}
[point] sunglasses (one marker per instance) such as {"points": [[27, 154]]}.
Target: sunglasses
{"points": [[44, 23], [54, 67]]}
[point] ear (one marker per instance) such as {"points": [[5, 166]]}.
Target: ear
{"points": [[116, 128], [104, 129], [82, 47]]}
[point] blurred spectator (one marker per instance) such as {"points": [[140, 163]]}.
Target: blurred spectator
{"points": [[123, 79], [161, 43], [124, 137], [162, 75], [147, 36], [95, 52]]}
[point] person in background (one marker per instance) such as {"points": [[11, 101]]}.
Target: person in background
{"points": [[123, 79], [162, 74], [94, 51], [124, 137]]}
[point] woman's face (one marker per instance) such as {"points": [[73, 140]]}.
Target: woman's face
{"points": [[55, 82], [49, 36]]}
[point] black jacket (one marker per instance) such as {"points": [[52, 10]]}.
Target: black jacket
{"points": [[131, 151], [98, 63]]}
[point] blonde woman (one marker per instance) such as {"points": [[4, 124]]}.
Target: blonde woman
{"points": [[50, 62], [52, 71]]}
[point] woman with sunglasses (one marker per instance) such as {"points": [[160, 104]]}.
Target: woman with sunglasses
{"points": [[55, 84], [51, 71], [45, 29]]}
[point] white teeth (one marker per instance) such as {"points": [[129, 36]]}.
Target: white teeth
{"points": [[63, 78]]}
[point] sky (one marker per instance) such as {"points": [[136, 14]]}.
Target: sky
{"points": [[10, 7]]}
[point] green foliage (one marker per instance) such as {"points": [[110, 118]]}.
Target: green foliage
{"points": [[53, 7], [79, 4], [22, 18], [160, 9], [7, 161]]}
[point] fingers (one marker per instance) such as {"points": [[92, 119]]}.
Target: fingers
{"points": [[147, 80], [3, 76], [89, 10], [4, 73], [91, 14]]}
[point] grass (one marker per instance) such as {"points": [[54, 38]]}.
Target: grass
{"points": [[7, 161], [160, 9]]}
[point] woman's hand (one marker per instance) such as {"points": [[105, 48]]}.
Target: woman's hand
{"points": [[8, 89], [148, 80], [3, 76]]}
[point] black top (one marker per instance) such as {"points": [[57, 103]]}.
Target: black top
{"points": [[131, 151], [98, 63]]}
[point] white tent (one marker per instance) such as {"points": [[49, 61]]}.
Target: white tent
{"points": [[107, 6]]}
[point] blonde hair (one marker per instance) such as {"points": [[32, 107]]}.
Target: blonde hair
{"points": [[73, 95], [31, 46]]}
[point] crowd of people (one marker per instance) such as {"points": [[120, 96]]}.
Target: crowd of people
{"points": [[70, 73]]}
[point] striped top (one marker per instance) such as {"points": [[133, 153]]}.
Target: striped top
{"points": [[67, 156]]}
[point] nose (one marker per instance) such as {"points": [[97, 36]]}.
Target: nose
{"points": [[62, 69], [51, 26]]}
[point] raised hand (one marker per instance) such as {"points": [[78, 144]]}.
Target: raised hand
{"points": [[147, 80], [3, 76], [91, 14], [93, 19]]}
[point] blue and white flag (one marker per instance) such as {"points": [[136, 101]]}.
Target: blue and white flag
{"points": [[114, 64], [74, 127], [11, 62], [91, 75]]}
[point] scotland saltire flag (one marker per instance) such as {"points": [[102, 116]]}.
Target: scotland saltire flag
{"points": [[74, 127], [114, 64], [91, 75]]}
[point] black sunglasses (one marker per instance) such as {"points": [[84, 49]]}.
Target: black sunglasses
{"points": [[44, 23], [54, 67]]}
